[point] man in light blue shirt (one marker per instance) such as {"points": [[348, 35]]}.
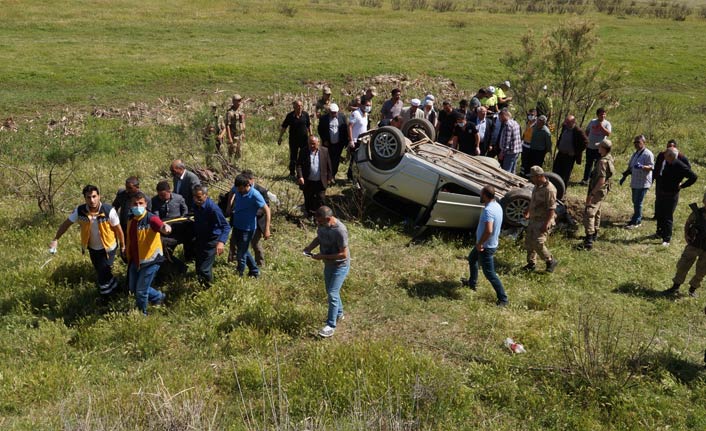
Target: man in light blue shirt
{"points": [[640, 167], [245, 202], [487, 241]]}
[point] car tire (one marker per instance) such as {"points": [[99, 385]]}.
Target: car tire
{"points": [[558, 183], [387, 145], [515, 203], [412, 127]]}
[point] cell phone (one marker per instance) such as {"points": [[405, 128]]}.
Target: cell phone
{"points": [[307, 254]]}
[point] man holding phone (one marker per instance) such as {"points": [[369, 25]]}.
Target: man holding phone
{"points": [[332, 240]]}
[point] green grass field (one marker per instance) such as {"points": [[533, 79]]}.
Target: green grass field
{"points": [[415, 352]]}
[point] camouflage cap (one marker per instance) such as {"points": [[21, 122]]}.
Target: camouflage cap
{"points": [[606, 143], [536, 170], [237, 96], [327, 90], [373, 90], [212, 104]]}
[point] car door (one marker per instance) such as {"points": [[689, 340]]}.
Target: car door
{"points": [[455, 208]]}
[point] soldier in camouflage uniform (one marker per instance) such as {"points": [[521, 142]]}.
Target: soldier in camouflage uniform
{"points": [[695, 251], [235, 127], [541, 214], [598, 188], [324, 102], [215, 130]]}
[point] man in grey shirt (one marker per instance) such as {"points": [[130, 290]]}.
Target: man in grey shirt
{"points": [[332, 240], [597, 129]]}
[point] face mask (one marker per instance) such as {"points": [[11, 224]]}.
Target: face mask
{"points": [[531, 117], [137, 211], [461, 125], [367, 109]]}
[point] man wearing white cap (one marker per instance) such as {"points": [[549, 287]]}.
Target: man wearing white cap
{"points": [[333, 130], [429, 111], [490, 100], [412, 111]]}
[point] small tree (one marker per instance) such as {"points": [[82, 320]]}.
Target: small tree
{"points": [[565, 60]]}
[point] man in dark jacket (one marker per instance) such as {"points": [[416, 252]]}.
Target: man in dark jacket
{"points": [[484, 126], [668, 178], [184, 182], [169, 206], [570, 147], [314, 175], [121, 203], [333, 130]]}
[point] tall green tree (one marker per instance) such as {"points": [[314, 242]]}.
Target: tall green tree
{"points": [[565, 60]]}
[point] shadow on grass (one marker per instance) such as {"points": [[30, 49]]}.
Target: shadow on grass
{"points": [[427, 289], [680, 368], [638, 290]]}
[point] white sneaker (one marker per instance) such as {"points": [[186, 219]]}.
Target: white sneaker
{"points": [[665, 244], [632, 226], [327, 331]]}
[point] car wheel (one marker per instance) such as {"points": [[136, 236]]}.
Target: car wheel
{"points": [[515, 204], [558, 183], [417, 129], [387, 145]]}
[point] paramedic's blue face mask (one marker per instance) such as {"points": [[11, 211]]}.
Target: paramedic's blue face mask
{"points": [[137, 211]]}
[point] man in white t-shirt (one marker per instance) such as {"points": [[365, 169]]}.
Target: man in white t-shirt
{"points": [[357, 124], [100, 233]]}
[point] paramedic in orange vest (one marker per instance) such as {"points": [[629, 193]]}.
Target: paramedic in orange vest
{"points": [[100, 233], [144, 251]]}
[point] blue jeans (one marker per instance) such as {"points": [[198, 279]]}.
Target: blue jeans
{"points": [[141, 285], [243, 257], [487, 262], [205, 256], [638, 195], [510, 162], [334, 276]]}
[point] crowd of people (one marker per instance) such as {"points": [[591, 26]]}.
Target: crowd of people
{"points": [[145, 232]]}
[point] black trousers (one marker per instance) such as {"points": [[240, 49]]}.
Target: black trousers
{"points": [[665, 204], [592, 156], [563, 165], [536, 158], [294, 149], [314, 195], [334, 153]]}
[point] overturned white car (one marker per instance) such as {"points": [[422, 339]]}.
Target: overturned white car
{"points": [[433, 184]]}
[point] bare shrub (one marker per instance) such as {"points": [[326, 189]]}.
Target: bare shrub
{"points": [[603, 350], [187, 409], [370, 3], [444, 5], [702, 12], [286, 9]]}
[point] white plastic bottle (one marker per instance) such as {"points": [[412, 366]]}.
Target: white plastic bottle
{"points": [[514, 347]]}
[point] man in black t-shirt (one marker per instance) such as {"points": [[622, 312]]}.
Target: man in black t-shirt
{"points": [[299, 126], [465, 136], [445, 125]]}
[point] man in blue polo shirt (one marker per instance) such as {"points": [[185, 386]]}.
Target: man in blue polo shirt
{"points": [[211, 230], [487, 241], [246, 201]]}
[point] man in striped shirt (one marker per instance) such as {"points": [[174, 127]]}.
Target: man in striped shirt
{"points": [[510, 141]]}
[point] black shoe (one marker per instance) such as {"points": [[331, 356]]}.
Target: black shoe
{"points": [[502, 304], [529, 267], [467, 283], [692, 292], [671, 291], [552, 264]]}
